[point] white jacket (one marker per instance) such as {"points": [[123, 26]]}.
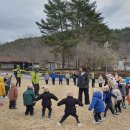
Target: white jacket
{"points": [[117, 93]]}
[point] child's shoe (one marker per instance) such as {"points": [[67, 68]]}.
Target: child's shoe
{"points": [[117, 113], [79, 125], [59, 124], [100, 120], [94, 122]]}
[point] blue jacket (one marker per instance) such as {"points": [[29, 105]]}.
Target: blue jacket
{"points": [[107, 97], [61, 77], [97, 103], [53, 75]]}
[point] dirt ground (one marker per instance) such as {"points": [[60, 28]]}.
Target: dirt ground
{"points": [[16, 120]]}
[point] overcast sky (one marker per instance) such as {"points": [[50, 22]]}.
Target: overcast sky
{"points": [[17, 17]]}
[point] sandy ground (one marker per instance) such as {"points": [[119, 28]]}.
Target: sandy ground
{"points": [[16, 120]]}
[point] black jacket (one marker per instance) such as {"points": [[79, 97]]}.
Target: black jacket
{"points": [[70, 103], [46, 98], [83, 81]]}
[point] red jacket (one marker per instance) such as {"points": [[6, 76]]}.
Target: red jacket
{"points": [[13, 93]]}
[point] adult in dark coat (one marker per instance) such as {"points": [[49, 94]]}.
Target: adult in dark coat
{"points": [[83, 84]]}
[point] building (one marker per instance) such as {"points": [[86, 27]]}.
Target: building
{"points": [[11, 62], [123, 64], [51, 65]]}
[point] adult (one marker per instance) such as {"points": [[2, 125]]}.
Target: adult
{"points": [[53, 76], [67, 77], [93, 80], [35, 79], [100, 80], [74, 76], [83, 84], [18, 73], [46, 77]]}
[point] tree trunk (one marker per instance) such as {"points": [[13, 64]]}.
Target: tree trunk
{"points": [[63, 59]]}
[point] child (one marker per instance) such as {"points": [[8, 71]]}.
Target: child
{"points": [[29, 98], [107, 98], [53, 76], [100, 80], [98, 105], [2, 91], [67, 77], [7, 84], [117, 101], [122, 88], [70, 108], [46, 77], [13, 95], [46, 101], [60, 78]]}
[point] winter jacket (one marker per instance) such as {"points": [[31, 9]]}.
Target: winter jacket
{"points": [[60, 77], [46, 76], [70, 103], [13, 93], [2, 87], [53, 75], [35, 77], [46, 98], [74, 76], [100, 79], [83, 81], [122, 88], [107, 97], [97, 103], [18, 72], [117, 93], [28, 97], [67, 76]]}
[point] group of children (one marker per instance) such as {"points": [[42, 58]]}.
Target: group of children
{"points": [[109, 97]]}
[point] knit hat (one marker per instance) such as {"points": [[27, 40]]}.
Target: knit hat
{"points": [[46, 89], [105, 88], [29, 86], [69, 93]]}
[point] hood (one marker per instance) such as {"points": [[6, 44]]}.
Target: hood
{"points": [[97, 95], [1, 80]]}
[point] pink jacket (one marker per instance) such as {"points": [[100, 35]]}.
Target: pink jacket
{"points": [[13, 93]]}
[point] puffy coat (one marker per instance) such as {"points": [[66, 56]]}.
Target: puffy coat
{"points": [[2, 87], [83, 81], [70, 103], [13, 93], [107, 97], [28, 97], [35, 77], [60, 77], [122, 88], [117, 93], [53, 75], [46, 98], [67, 76], [46, 76], [97, 103]]}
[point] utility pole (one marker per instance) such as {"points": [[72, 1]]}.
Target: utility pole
{"points": [[106, 49]]}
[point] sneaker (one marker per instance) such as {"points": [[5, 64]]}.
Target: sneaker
{"points": [[79, 125], [117, 113], [104, 118], [59, 124], [94, 122], [100, 120]]}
